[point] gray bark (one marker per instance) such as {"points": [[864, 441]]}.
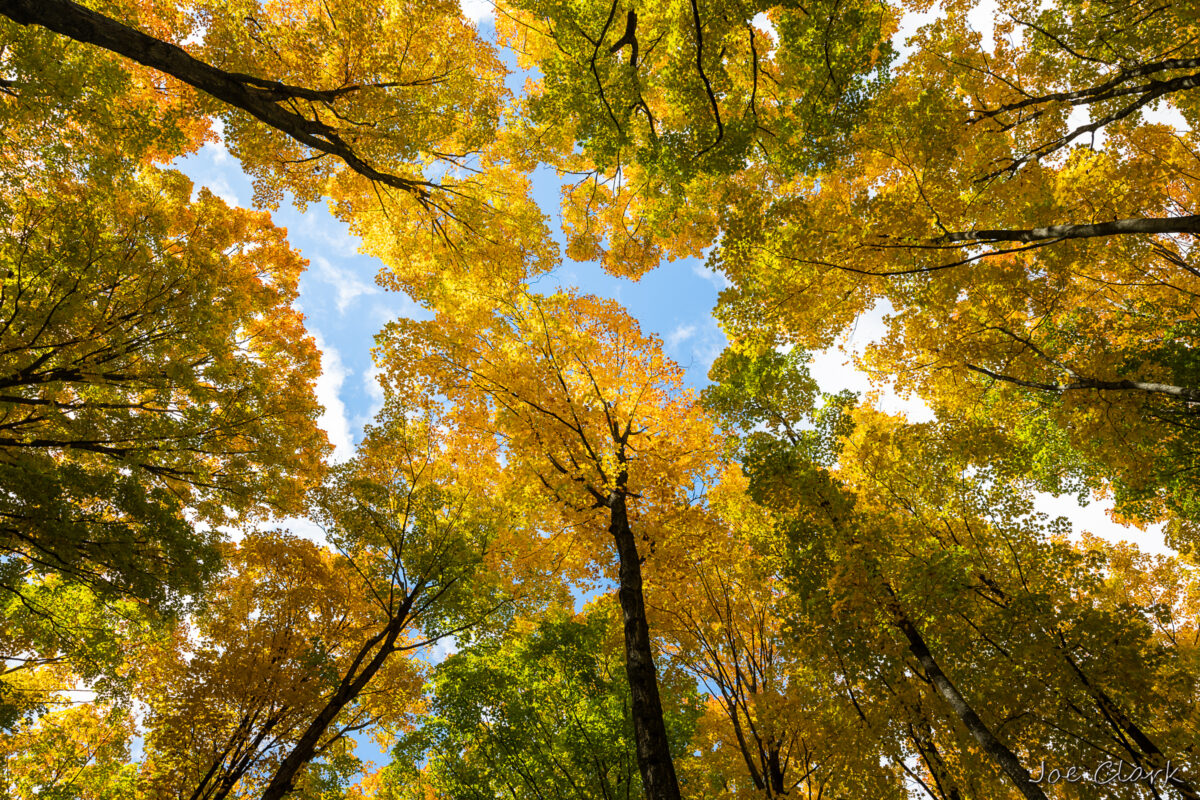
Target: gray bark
{"points": [[1004, 758], [1189, 224]]}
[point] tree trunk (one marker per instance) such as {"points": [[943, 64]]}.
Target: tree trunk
{"points": [[351, 686], [1124, 726], [1000, 754], [775, 770], [650, 732]]}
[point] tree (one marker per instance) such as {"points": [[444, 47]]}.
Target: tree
{"points": [[543, 711], [151, 363], [301, 646], [869, 582], [74, 753], [272, 102], [403, 142], [70, 110], [230, 703], [58, 636], [649, 107], [1050, 297], [956, 619], [1044, 284], [1047, 620], [587, 411], [1115, 63], [774, 724]]}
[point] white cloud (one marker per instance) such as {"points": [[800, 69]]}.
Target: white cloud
{"points": [[681, 334], [373, 390], [696, 345], [717, 279], [910, 23], [303, 527], [834, 368], [478, 10], [333, 232], [983, 19], [348, 286], [1163, 113], [763, 23], [218, 128], [221, 188], [210, 157], [443, 648], [1079, 116], [329, 386], [706, 355], [216, 152], [402, 307]]}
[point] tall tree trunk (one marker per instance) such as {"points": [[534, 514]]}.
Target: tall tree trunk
{"points": [[359, 674], [775, 769], [1000, 754], [650, 732], [1142, 749], [1123, 726]]}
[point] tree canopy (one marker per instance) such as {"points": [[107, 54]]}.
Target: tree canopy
{"points": [[556, 563]]}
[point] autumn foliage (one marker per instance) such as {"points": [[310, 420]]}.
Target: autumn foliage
{"points": [[551, 568]]}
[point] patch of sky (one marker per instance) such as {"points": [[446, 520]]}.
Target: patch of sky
{"points": [[981, 18], [1094, 518], [837, 368], [343, 306], [481, 12]]}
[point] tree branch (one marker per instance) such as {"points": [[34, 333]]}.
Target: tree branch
{"points": [[1144, 225], [1184, 393], [257, 97]]}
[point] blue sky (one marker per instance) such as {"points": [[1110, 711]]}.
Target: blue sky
{"points": [[344, 308]]}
